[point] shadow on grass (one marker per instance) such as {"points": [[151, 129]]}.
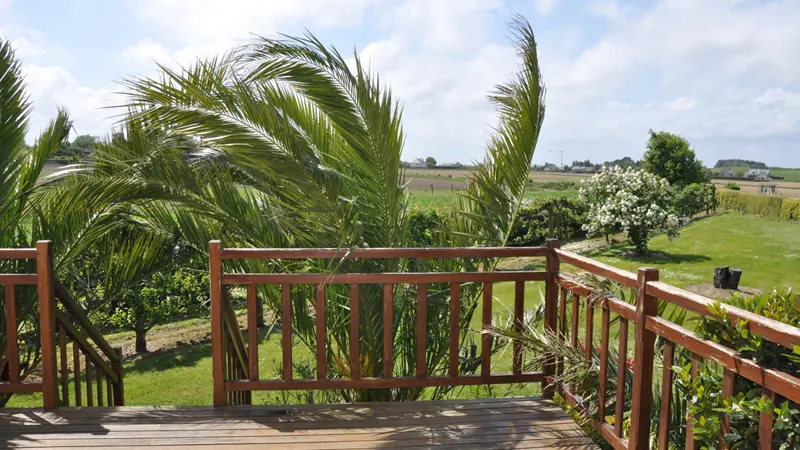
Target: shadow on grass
{"points": [[187, 355], [654, 257]]}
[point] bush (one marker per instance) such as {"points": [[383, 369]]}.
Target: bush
{"points": [[733, 186], [772, 207], [696, 198], [747, 404], [540, 219]]}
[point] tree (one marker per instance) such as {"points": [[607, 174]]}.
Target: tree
{"points": [[635, 201], [669, 156], [317, 165], [430, 161], [84, 141]]}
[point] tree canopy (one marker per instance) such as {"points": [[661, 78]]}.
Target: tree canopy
{"points": [[669, 156]]}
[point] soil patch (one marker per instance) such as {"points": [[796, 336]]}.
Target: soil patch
{"points": [[708, 290]]}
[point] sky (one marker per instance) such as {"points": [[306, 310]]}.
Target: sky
{"points": [[725, 74]]}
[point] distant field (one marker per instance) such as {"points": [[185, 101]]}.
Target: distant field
{"points": [[787, 174], [424, 199], [785, 188]]}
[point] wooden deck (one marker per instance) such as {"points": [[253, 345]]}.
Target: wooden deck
{"points": [[489, 423]]}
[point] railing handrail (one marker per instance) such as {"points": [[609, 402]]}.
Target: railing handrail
{"points": [[382, 253], [246, 379], [649, 325], [56, 327]]}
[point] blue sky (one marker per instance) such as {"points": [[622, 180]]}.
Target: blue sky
{"points": [[725, 74]]}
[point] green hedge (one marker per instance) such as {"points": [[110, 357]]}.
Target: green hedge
{"points": [[768, 206]]}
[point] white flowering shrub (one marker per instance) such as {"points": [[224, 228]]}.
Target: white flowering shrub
{"points": [[635, 201]]}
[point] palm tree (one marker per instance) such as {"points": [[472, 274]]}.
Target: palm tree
{"points": [[298, 148], [20, 171]]}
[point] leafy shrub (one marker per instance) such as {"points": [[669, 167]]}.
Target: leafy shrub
{"points": [[424, 226], [636, 201], [768, 206], [541, 219], [696, 198], [748, 403], [733, 186]]}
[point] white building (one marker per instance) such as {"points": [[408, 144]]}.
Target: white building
{"points": [[418, 163], [757, 174]]}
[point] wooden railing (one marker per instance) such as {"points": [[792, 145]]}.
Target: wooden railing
{"points": [[647, 327], [235, 365], [62, 324]]}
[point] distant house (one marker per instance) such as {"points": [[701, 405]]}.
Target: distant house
{"points": [[447, 166], [580, 169], [418, 163], [727, 173], [757, 174]]}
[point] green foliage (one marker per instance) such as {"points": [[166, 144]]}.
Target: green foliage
{"points": [[696, 198], [669, 156], [733, 186], [430, 161], [635, 201], [540, 219], [724, 163], [767, 206], [748, 403]]}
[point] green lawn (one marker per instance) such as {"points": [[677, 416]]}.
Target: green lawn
{"points": [[767, 251], [182, 376], [787, 174]]}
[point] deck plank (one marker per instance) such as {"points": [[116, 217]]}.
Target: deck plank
{"points": [[532, 423]]}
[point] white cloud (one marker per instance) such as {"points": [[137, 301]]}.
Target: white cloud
{"points": [[609, 9], [146, 51], [545, 7], [704, 69]]}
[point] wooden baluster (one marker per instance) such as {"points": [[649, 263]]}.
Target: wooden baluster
{"points": [[576, 312], [11, 333], [109, 392], [321, 337], [99, 378], [766, 423], [486, 339], [217, 321], [118, 388], [286, 330], [455, 327], [562, 330], [388, 331], [519, 318], [47, 322], [589, 337], [551, 310], [252, 331], [642, 391], [728, 387], [605, 324], [666, 396], [76, 372], [422, 329], [355, 338], [89, 393], [62, 349], [691, 444], [622, 371]]}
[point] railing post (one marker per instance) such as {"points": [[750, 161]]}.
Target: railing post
{"points": [[47, 322], [118, 389], [217, 320], [551, 309], [642, 393]]}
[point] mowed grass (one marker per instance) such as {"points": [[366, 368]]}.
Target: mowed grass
{"points": [[787, 174], [182, 376], [767, 251]]}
